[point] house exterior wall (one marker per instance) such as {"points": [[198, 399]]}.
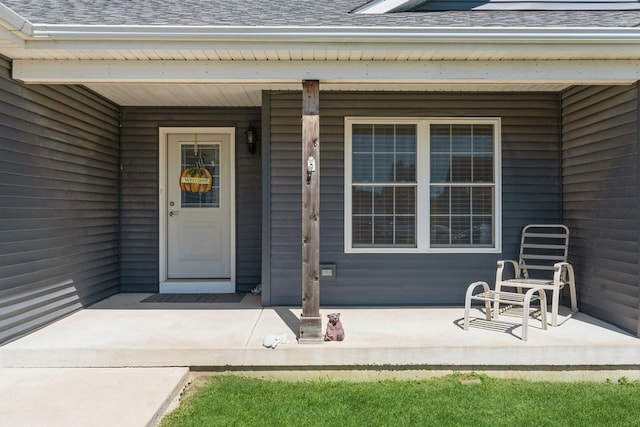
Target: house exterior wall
{"points": [[139, 216], [601, 188], [59, 200], [531, 175]]}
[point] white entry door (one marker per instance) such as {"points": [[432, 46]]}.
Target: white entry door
{"points": [[199, 213]]}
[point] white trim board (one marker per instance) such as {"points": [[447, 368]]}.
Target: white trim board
{"points": [[441, 72]]}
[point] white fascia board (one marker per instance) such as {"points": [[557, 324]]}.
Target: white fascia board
{"points": [[339, 72], [14, 29], [14, 22], [9, 38], [139, 34], [591, 43]]}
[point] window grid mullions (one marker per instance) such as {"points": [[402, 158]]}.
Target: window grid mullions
{"points": [[482, 207]]}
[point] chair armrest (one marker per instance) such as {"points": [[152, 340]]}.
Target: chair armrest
{"points": [[500, 270], [472, 287], [563, 272]]}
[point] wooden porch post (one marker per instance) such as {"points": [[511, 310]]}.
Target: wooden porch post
{"points": [[310, 322]]}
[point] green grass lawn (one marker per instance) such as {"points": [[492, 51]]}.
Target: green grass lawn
{"points": [[447, 401]]}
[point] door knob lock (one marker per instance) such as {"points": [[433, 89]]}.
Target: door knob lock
{"points": [[174, 213]]}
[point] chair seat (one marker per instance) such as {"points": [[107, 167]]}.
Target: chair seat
{"points": [[530, 281], [504, 297]]}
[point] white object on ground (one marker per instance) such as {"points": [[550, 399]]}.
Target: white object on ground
{"points": [[272, 341]]}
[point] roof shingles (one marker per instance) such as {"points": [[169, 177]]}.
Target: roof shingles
{"points": [[293, 13]]}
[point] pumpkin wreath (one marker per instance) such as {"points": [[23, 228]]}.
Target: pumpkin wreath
{"points": [[196, 179]]}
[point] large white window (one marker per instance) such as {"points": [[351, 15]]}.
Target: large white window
{"points": [[422, 185]]}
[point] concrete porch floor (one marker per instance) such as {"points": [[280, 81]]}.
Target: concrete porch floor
{"points": [[124, 343]]}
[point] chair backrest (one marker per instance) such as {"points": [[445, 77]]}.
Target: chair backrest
{"points": [[541, 246]]}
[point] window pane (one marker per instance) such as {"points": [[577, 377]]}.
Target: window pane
{"points": [[440, 168], [405, 201], [460, 200], [384, 138], [440, 232], [384, 153], [405, 167], [405, 230], [383, 201], [483, 234], [384, 215], [362, 198], [461, 168], [440, 140], [483, 168], [362, 233], [461, 230], [440, 201], [383, 168], [362, 138], [362, 167], [483, 138], [461, 138], [464, 218], [482, 201], [406, 138], [383, 230]]}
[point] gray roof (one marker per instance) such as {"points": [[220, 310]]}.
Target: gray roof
{"points": [[295, 13]]}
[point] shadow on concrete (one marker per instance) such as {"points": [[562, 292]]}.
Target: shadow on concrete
{"points": [[290, 319]]}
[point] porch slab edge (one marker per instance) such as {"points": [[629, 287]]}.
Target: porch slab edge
{"points": [[323, 356]]}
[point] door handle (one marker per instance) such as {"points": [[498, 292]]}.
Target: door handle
{"points": [[174, 213]]}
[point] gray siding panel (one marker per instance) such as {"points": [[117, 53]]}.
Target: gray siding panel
{"points": [[531, 193], [602, 199], [139, 191], [59, 198]]}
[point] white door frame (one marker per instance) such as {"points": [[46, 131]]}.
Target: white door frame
{"points": [[193, 286]]}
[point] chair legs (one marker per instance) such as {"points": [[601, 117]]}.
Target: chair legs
{"points": [[570, 281], [467, 302]]}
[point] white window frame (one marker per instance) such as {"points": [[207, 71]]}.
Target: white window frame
{"points": [[423, 244]]}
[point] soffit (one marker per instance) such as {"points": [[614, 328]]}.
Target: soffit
{"points": [[391, 52]]}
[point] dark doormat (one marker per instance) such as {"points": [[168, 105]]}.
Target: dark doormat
{"points": [[191, 298]]}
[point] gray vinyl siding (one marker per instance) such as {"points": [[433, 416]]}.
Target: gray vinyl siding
{"points": [[601, 199], [59, 202], [139, 214], [531, 193]]}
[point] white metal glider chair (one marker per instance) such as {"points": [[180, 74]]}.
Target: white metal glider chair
{"points": [[542, 264]]}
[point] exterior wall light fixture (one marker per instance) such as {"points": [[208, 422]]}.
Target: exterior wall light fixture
{"points": [[252, 140]]}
